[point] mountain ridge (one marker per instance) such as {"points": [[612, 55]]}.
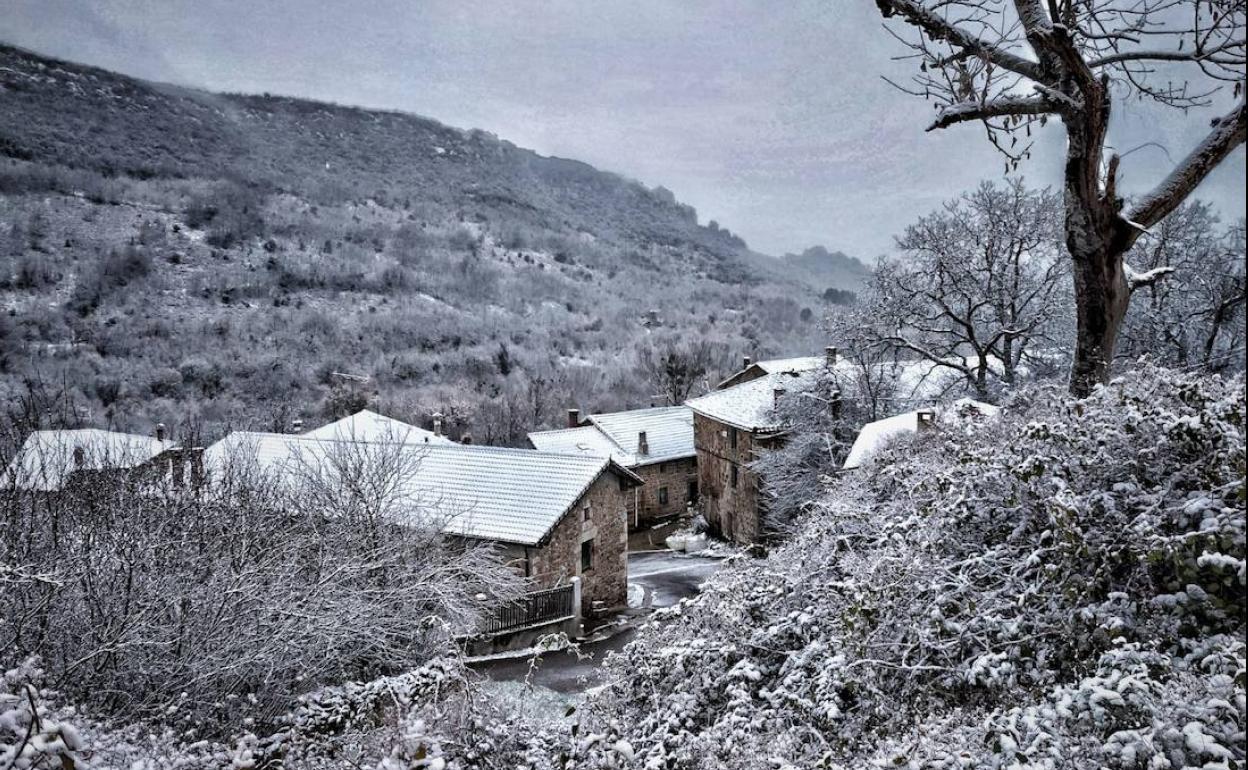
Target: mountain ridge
{"points": [[287, 239]]}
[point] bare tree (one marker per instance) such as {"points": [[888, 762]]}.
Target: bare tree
{"points": [[1010, 65], [975, 287], [873, 381], [674, 368], [1193, 319]]}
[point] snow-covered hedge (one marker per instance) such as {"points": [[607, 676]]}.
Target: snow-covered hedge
{"points": [[1062, 588]]}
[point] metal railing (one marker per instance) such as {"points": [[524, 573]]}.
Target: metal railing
{"points": [[531, 609]]}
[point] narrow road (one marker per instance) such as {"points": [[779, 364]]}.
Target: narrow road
{"points": [[664, 576]]}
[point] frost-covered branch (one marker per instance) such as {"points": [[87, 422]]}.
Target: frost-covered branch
{"points": [[1137, 281], [1228, 132], [996, 108]]}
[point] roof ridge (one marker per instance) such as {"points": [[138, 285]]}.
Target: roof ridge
{"points": [[670, 407], [451, 447]]}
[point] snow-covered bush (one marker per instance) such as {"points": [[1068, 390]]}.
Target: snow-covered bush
{"points": [[32, 736], [211, 612], [425, 718], [1063, 588]]}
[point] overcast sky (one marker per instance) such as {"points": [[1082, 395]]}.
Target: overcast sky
{"points": [[770, 117]]}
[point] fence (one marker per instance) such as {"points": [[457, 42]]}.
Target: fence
{"points": [[531, 609]]}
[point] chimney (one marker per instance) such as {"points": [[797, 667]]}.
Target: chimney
{"points": [[437, 423], [925, 419], [296, 425], [830, 355], [160, 431], [746, 362], [466, 439], [643, 445], [177, 468], [197, 466], [574, 418], [777, 394]]}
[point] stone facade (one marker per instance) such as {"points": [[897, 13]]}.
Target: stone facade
{"points": [[598, 518], [668, 488], [729, 493], [657, 509]]}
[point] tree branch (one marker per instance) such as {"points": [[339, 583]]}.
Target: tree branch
{"points": [[1147, 278], [937, 28], [1227, 134], [980, 110]]}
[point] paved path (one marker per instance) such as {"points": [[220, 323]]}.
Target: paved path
{"points": [[665, 577]]}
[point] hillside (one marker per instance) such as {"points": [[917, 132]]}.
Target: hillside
{"points": [[173, 255], [832, 270]]}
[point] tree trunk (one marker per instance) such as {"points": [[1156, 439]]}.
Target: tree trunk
{"points": [[1007, 358], [981, 377], [1097, 237], [1101, 297]]}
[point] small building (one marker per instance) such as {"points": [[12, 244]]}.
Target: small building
{"points": [[874, 436], [54, 460], [553, 516], [656, 444], [732, 426]]}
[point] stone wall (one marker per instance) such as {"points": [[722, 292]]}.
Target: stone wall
{"points": [[646, 504], [605, 584], [731, 510]]}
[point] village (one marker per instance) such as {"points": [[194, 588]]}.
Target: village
{"points": [[566, 514]]}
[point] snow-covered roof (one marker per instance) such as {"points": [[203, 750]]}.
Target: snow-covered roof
{"points": [[751, 405], [491, 493], [587, 440], [875, 435], [367, 425], [773, 366], [796, 364], [47, 457], [668, 429]]}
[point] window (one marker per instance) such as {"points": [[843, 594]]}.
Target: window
{"points": [[734, 476], [623, 484], [732, 437], [662, 495], [587, 513], [662, 467], [691, 492], [587, 555]]}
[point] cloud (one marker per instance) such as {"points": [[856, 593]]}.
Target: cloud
{"points": [[770, 117]]}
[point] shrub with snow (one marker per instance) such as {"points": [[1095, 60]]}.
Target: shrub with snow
{"points": [[1063, 588]]}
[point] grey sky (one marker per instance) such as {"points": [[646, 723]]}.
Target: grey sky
{"points": [[770, 117]]}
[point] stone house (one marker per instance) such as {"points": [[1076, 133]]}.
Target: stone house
{"points": [[54, 460], [554, 517], [732, 426], [656, 444]]}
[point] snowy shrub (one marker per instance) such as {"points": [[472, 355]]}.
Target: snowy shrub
{"points": [[1063, 588], [31, 735], [211, 612]]}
